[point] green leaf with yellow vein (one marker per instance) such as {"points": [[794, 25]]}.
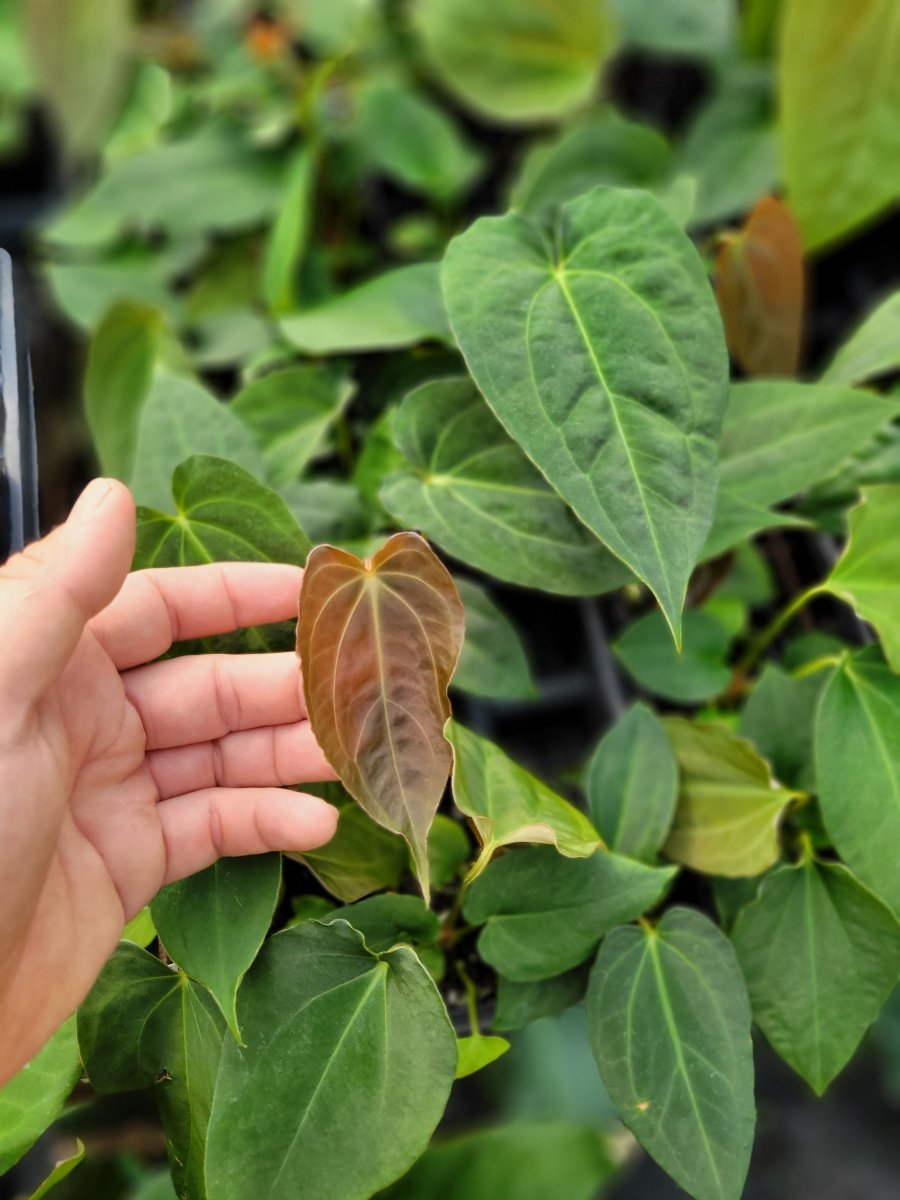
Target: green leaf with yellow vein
{"points": [[729, 806], [858, 770], [601, 351], [507, 804], [378, 641], [669, 1024], [867, 575], [820, 954]]}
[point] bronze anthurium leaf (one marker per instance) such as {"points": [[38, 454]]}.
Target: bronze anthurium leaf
{"points": [[378, 641]]}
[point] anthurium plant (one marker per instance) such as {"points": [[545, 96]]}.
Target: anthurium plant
{"points": [[402, 294]]}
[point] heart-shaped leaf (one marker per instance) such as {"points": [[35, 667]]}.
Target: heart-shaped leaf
{"points": [[378, 642], [692, 675], [602, 354]]}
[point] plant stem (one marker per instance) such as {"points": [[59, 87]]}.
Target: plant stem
{"points": [[817, 664], [471, 998], [766, 636]]}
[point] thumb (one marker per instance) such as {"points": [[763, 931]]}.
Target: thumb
{"points": [[50, 591]]}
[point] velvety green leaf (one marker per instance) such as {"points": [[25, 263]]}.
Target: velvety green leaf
{"points": [[85, 292], [388, 921], [349, 1062], [120, 367], [737, 519], [32, 1099], [221, 515], [545, 914], [399, 308], [414, 142], [80, 57], [729, 807], [289, 414], [287, 241], [329, 511], [780, 436], [731, 148], [878, 461], [632, 784], [820, 954], [140, 929], [515, 60], [478, 1051], [60, 1171], [378, 642], [378, 458], [521, 1002], [179, 419], [867, 575], [213, 923], [449, 849], [493, 661], [361, 857], [858, 769], [475, 493], [146, 1026], [670, 1029], [872, 349], [506, 804], [840, 95], [604, 358], [696, 28], [601, 148], [731, 896], [525, 1160], [695, 674], [779, 718]]}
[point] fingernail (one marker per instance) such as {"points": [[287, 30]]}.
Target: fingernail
{"points": [[93, 497]]}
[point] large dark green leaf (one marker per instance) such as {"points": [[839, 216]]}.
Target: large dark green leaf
{"points": [[348, 1065], [694, 674], [289, 414], [221, 515], [119, 374], [493, 661], [602, 353], [32, 1099], [545, 914], [472, 490], [507, 804], [840, 95], [632, 785], [820, 954], [361, 857], [527, 1160], [858, 768], [867, 575], [213, 924], [515, 60], [670, 1029], [146, 1026], [179, 419], [399, 308], [729, 807]]}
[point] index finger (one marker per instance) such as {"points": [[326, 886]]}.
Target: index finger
{"points": [[163, 605]]}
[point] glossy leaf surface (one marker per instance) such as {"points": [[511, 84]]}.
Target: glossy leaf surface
{"points": [[473, 491], [544, 914], [632, 785], [840, 94], [348, 1065], [493, 661], [515, 60], [399, 308], [858, 768], [867, 575], [507, 804], [212, 924], [670, 1029], [695, 674], [759, 285], [378, 642], [729, 807], [146, 1026], [32, 1099], [820, 954], [603, 356]]}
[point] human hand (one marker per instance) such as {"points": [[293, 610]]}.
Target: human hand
{"points": [[118, 777]]}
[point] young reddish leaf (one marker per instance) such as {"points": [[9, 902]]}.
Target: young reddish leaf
{"points": [[760, 291], [378, 641]]}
